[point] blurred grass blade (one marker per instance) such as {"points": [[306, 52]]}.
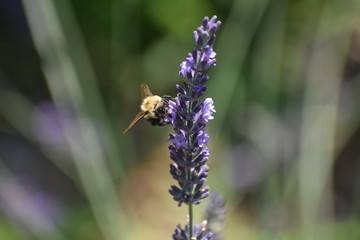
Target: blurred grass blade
{"points": [[320, 113], [20, 119], [74, 90], [232, 47]]}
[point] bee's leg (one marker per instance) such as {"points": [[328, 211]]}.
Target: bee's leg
{"points": [[164, 123]]}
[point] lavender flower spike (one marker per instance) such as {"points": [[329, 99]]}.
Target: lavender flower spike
{"points": [[189, 114]]}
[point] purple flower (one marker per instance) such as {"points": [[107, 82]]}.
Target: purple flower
{"points": [[189, 114], [202, 138], [178, 140], [199, 231], [208, 109], [27, 206], [171, 112]]}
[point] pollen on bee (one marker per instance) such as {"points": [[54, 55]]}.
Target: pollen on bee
{"points": [[150, 104]]}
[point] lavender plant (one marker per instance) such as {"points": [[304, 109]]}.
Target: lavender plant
{"points": [[189, 114], [215, 212]]}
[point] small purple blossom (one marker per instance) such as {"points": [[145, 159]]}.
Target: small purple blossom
{"points": [[188, 113], [200, 232], [178, 140], [208, 109], [202, 138], [171, 112]]}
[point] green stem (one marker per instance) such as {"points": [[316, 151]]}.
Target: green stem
{"points": [[190, 221]]}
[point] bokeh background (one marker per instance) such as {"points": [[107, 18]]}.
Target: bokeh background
{"points": [[285, 140]]}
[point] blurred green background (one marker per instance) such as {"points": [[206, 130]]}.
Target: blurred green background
{"points": [[285, 140]]}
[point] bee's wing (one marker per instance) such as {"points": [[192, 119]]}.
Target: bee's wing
{"points": [[138, 116], [145, 91]]}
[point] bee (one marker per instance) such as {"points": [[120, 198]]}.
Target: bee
{"points": [[153, 108]]}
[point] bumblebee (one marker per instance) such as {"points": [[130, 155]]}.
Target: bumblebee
{"points": [[153, 108]]}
